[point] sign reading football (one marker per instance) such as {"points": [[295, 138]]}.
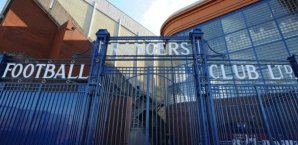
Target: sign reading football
{"points": [[43, 71]]}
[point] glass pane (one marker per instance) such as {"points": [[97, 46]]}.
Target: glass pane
{"points": [[293, 45], [283, 7], [264, 33], [258, 14], [217, 45], [3, 4], [233, 23], [238, 40], [243, 54], [272, 51], [289, 26], [212, 30]]}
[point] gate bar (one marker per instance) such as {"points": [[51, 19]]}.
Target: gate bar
{"points": [[147, 105]]}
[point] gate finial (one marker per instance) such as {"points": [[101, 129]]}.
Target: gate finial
{"points": [[103, 33], [103, 36], [197, 33]]}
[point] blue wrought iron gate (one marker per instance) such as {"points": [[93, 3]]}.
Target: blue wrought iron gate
{"points": [[133, 96]]}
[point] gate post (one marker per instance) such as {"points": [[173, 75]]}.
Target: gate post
{"points": [[197, 36], [2, 56], [294, 63], [98, 56], [2, 63], [209, 136]]}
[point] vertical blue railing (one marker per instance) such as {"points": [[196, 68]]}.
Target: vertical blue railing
{"points": [[264, 116]]}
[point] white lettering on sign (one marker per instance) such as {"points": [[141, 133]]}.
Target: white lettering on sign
{"points": [[224, 75], [61, 72], [43, 71], [159, 48], [221, 71], [31, 71], [275, 76], [15, 73], [289, 70], [250, 72], [237, 72], [211, 71], [184, 47], [8, 68]]}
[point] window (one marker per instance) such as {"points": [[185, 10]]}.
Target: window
{"points": [[284, 7], [264, 33], [217, 45], [233, 23], [212, 30], [272, 51], [243, 54], [3, 6], [293, 45], [238, 40], [288, 26], [258, 14]]}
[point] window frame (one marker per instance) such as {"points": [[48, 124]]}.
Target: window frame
{"points": [[4, 10]]}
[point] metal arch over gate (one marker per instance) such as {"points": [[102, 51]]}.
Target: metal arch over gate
{"points": [[150, 91], [147, 99]]}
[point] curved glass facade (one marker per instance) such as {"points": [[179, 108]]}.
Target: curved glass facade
{"points": [[265, 30], [263, 34]]}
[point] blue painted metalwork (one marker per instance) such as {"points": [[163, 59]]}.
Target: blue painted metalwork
{"points": [[264, 117], [147, 107], [95, 80], [134, 98], [197, 36], [207, 90], [2, 59], [259, 34], [294, 63]]}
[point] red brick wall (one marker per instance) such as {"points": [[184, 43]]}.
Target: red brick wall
{"points": [[69, 41], [28, 29]]}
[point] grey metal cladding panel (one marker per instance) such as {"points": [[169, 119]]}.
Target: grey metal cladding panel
{"points": [[116, 14]]}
